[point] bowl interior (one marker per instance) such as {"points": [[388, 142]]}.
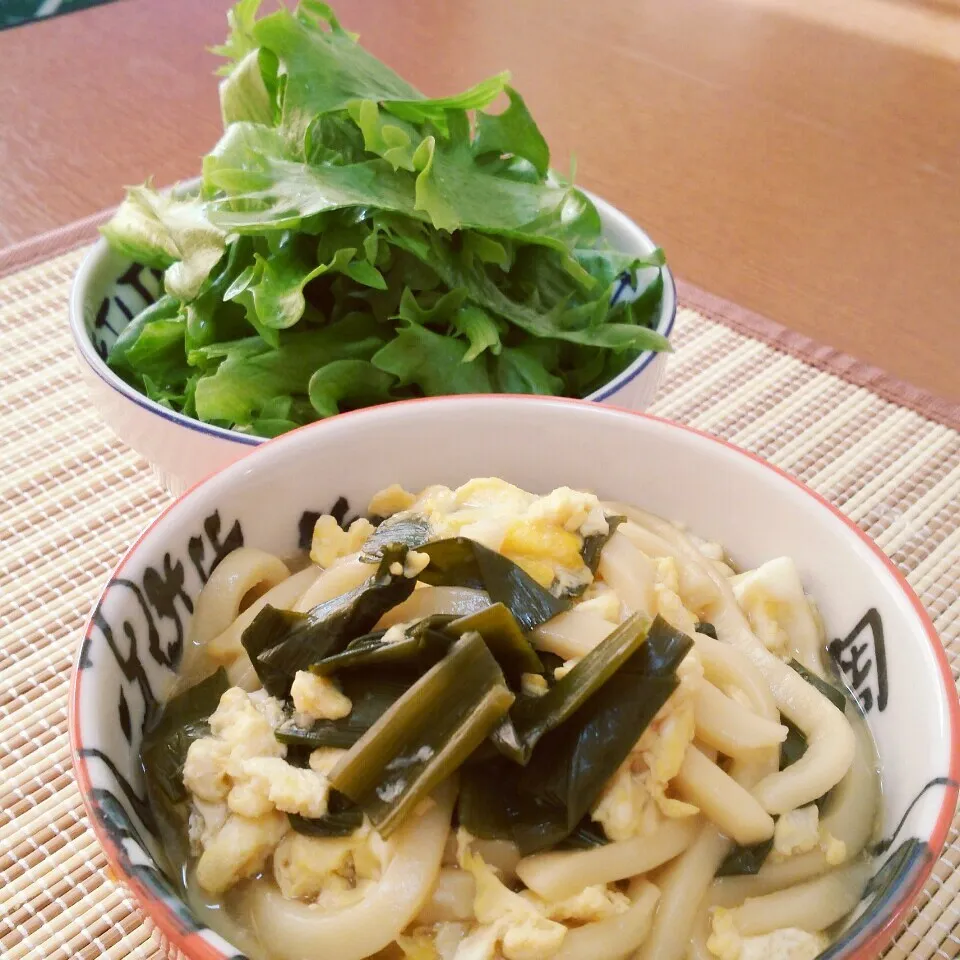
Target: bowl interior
{"points": [[881, 639], [119, 290]]}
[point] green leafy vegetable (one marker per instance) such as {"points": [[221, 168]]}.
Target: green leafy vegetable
{"points": [[251, 374], [832, 693], [585, 323], [371, 692], [455, 193], [244, 94], [161, 230], [745, 861], [281, 642], [278, 292], [433, 362], [210, 317], [166, 308], [512, 132], [503, 636], [170, 731], [355, 242], [480, 329], [594, 544], [424, 643], [536, 716], [241, 20], [519, 370], [425, 736], [461, 562], [342, 818], [357, 381]]}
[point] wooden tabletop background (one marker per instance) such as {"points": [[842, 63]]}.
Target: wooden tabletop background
{"points": [[798, 157]]}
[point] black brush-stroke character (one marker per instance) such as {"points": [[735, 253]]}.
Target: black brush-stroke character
{"points": [[864, 664]]}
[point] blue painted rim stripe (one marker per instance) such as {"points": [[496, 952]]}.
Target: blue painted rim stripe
{"points": [[145, 403], [648, 356]]}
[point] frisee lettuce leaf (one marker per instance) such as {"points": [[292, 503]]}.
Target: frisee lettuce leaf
{"points": [[355, 241], [512, 132], [432, 361], [356, 381], [160, 230]]}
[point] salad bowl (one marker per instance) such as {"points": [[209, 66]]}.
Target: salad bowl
{"points": [[109, 290]]}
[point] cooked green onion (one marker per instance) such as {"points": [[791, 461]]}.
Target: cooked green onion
{"points": [[426, 735], [423, 645], [535, 716], [281, 642], [745, 861], [372, 693], [594, 544], [460, 562], [502, 634], [342, 818]]}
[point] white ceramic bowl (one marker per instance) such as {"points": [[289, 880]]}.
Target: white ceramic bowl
{"points": [[135, 633], [109, 290]]}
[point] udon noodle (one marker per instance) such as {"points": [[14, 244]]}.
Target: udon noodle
{"points": [[491, 725]]}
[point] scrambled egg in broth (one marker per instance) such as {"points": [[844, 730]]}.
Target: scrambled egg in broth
{"points": [[254, 792], [542, 535]]}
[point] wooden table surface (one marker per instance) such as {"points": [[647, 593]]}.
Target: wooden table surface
{"points": [[798, 157]]}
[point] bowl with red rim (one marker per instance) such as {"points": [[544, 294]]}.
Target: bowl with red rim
{"points": [[109, 291], [880, 638]]}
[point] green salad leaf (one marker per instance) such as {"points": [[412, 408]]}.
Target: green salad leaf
{"points": [[356, 381], [354, 241], [435, 363], [252, 374], [244, 94], [160, 230], [241, 20], [480, 329], [512, 132]]}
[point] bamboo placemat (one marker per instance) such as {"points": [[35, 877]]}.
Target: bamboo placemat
{"points": [[72, 497]]}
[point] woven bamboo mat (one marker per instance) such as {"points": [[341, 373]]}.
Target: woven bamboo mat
{"points": [[72, 498]]}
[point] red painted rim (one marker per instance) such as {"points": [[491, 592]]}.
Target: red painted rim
{"points": [[197, 948]]}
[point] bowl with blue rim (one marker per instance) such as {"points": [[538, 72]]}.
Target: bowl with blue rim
{"points": [[112, 293]]}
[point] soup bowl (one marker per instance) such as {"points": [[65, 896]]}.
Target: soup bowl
{"points": [[879, 636]]}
